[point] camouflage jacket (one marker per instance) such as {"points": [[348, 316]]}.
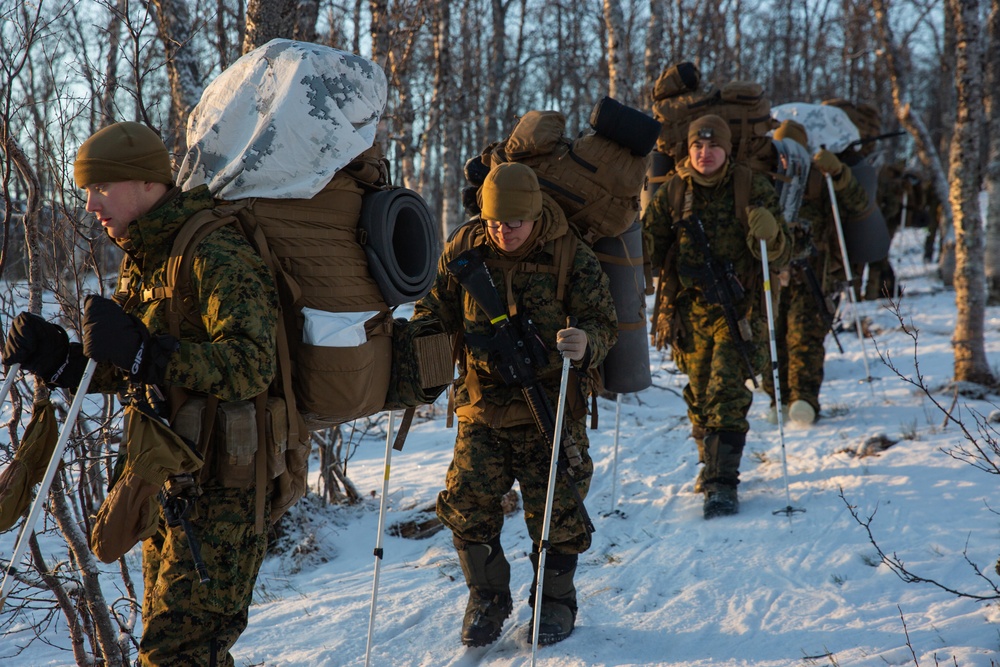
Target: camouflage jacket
{"points": [[682, 261], [233, 355], [815, 229], [533, 288]]}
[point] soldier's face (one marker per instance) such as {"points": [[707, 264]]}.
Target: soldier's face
{"points": [[707, 157], [119, 203], [507, 238]]}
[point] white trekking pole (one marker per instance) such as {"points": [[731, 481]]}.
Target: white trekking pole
{"points": [[902, 228], [8, 381], [850, 275], [547, 524], [788, 509], [43, 491], [378, 536], [614, 465]]}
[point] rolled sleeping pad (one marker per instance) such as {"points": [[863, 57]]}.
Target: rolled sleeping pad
{"points": [[660, 165], [866, 236], [626, 368], [401, 243], [625, 126]]}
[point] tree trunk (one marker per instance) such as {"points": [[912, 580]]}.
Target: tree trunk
{"points": [[652, 58], [267, 20], [992, 172], [966, 181], [614, 24], [183, 70]]}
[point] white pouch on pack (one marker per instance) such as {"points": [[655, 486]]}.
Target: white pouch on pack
{"points": [[325, 329]]}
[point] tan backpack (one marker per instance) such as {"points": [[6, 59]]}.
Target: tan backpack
{"points": [[595, 179], [316, 250], [678, 99]]}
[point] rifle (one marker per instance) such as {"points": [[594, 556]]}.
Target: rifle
{"points": [[721, 286], [516, 356], [176, 497], [179, 492], [803, 265]]}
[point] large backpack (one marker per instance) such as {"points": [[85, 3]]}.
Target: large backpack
{"points": [[680, 96], [316, 249], [285, 137], [596, 178]]}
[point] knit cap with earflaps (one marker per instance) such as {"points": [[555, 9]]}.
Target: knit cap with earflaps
{"points": [[510, 192], [790, 129], [124, 151], [711, 127]]}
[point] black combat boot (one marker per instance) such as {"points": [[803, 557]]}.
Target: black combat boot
{"points": [[558, 597], [487, 574], [723, 451]]}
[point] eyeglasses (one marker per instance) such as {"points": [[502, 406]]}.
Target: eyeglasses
{"points": [[511, 224]]}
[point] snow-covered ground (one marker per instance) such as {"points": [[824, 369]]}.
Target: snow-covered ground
{"points": [[662, 586]]}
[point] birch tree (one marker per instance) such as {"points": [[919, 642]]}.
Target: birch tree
{"points": [[966, 179], [614, 24], [992, 171]]}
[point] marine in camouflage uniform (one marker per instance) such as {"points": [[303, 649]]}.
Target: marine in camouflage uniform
{"points": [[498, 441], [800, 328], [693, 323], [229, 355]]}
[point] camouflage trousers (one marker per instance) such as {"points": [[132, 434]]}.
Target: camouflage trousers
{"points": [[799, 335], [484, 467], [184, 621], [716, 393]]}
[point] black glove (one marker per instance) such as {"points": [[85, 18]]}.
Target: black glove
{"points": [[44, 349], [112, 335]]}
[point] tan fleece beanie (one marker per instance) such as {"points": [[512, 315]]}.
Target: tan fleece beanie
{"points": [[122, 152], [790, 129], [510, 192]]}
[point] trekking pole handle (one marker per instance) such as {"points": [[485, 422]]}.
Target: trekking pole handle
{"points": [[8, 381], [43, 491]]}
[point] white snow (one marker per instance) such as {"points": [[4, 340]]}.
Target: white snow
{"points": [[660, 585]]}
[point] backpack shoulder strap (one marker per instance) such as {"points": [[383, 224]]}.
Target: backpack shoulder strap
{"points": [[178, 288], [742, 181]]}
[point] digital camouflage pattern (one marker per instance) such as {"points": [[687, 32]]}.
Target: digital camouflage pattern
{"points": [[703, 348], [799, 329], [232, 357], [486, 463], [186, 622], [497, 440]]}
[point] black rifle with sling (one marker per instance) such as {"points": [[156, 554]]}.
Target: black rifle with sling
{"points": [[803, 265], [516, 352], [178, 493], [720, 285]]}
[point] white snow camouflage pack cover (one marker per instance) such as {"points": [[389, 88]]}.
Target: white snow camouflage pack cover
{"points": [[281, 120], [826, 125]]}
